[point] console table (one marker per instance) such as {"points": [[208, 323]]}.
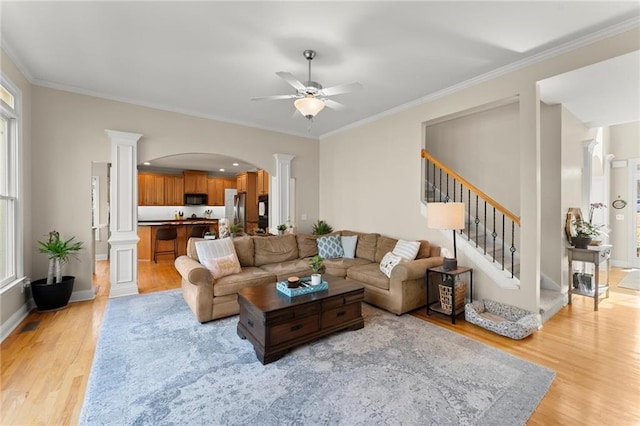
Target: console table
{"points": [[595, 255]]}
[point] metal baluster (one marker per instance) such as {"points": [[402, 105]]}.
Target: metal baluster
{"points": [[447, 197], [503, 248], [513, 247], [440, 185], [484, 221], [477, 220], [494, 234], [468, 214]]}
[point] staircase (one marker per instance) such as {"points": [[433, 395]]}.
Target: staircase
{"points": [[490, 229]]}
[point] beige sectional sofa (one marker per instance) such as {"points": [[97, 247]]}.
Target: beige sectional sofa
{"points": [[275, 258]]}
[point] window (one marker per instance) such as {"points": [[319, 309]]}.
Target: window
{"points": [[10, 234]]}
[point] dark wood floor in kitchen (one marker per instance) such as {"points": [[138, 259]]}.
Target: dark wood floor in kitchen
{"points": [[46, 360]]}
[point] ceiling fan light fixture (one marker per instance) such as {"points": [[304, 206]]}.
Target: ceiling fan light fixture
{"points": [[309, 106]]}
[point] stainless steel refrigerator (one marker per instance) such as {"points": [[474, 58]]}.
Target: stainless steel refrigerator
{"points": [[230, 204], [239, 211]]}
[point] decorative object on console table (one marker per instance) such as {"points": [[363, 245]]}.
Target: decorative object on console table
{"points": [[55, 291], [234, 229], [447, 216], [281, 228], [450, 294], [584, 233], [321, 228]]}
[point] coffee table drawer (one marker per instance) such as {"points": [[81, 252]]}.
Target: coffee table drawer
{"points": [[335, 302], [290, 330], [340, 315]]}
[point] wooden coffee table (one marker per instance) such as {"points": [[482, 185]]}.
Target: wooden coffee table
{"points": [[275, 323]]}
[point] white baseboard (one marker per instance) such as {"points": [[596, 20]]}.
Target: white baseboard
{"points": [[102, 257], [620, 263], [14, 320]]}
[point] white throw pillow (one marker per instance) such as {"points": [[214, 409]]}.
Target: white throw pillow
{"points": [[349, 246], [218, 256], [407, 250], [388, 262]]}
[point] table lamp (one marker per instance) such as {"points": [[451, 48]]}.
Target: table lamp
{"points": [[447, 216]]}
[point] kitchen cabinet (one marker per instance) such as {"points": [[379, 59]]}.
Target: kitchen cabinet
{"points": [[151, 189], [147, 234], [174, 190], [195, 182], [249, 182], [263, 182], [216, 187], [241, 183]]}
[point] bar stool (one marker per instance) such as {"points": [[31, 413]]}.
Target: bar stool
{"points": [[198, 231], [166, 234]]}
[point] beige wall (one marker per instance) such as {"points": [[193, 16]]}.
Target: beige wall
{"points": [[70, 136], [624, 144], [13, 301], [370, 176]]}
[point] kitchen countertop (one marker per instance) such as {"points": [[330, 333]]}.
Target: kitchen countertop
{"points": [[177, 222]]}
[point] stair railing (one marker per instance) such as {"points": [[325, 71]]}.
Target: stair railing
{"points": [[485, 217]]}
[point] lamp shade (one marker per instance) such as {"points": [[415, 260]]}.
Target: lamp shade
{"points": [[445, 216], [309, 106]]}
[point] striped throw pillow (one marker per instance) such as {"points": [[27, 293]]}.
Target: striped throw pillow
{"points": [[407, 250]]}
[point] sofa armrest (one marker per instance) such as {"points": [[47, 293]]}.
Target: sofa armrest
{"points": [[193, 271], [414, 269]]}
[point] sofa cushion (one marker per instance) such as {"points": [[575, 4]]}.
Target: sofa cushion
{"points": [[388, 262], [407, 250], [307, 245], [349, 245], [278, 248], [424, 250], [218, 256], [283, 270], [369, 274], [366, 247], [244, 250], [384, 246], [248, 277], [330, 247], [338, 267]]}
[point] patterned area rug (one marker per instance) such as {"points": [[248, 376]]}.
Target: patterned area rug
{"points": [[155, 364], [631, 280]]}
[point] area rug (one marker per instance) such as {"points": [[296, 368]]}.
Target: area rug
{"points": [[631, 280], [156, 365]]}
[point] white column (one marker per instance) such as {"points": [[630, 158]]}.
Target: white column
{"points": [[123, 212], [282, 196]]}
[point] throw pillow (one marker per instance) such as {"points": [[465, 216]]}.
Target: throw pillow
{"points": [[407, 250], [388, 262], [330, 247], [349, 246], [218, 256]]}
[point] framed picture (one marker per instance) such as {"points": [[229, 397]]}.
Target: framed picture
{"points": [[573, 214]]}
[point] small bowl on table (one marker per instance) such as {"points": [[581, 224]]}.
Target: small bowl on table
{"points": [[293, 282]]}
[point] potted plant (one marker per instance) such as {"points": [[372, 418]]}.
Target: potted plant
{"points": [[55, 291], [584, 232], [321, 227], [317, 266], [234, 228], [281, 228]]}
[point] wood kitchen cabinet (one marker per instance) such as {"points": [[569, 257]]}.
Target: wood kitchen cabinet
{"points": [[216, 187], [263, 182], [249, 180], [151, 190], [195, 182], [241, 183], [174, 190]]}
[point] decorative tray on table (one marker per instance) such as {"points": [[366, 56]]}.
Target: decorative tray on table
{"points": [[304, 288]]}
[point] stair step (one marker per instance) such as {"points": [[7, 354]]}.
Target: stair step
{"points": [[550, 303]]}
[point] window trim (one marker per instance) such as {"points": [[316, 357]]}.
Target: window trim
{"points": [[15, 180]]}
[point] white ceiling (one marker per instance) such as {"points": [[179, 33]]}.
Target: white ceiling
{"points": [[209, 58]]}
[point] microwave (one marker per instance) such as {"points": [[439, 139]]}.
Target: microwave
{"points": [[195, 199]]}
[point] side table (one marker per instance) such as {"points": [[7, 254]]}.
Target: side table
{"points": [[595, 255], [436, 306]]}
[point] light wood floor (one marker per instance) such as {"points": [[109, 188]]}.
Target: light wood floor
{"points": [[596, 356]]}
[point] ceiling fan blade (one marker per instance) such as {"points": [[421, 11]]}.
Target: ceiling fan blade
{"points": [[334, 105], [289, 78], [341, 88], [273, 98]]}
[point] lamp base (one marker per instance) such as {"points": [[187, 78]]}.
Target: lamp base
{"points": [[449, 264]]}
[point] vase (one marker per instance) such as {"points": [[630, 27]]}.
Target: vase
{"points": [[316, 279], [49, 297], [581, 242]]}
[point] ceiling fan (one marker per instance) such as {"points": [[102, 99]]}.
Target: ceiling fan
{"points": [[311, 97]]}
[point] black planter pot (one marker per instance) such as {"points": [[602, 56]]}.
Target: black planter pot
{"points": [[49, 297], [581, 242]]}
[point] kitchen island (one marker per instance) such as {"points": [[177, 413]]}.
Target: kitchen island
{"points": [[147, 233]]}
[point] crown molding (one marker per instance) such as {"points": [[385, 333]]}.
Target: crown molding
{"points": [[10, 52], [499, 72]]}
